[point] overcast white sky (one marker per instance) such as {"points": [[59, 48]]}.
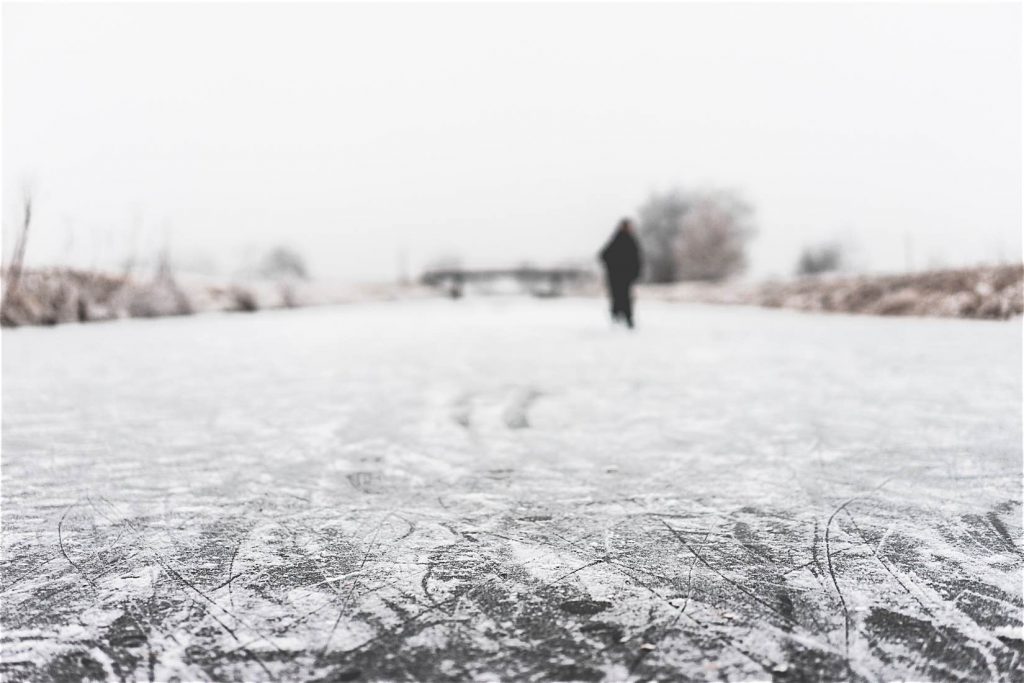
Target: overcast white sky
{"points": [[508, 132]]}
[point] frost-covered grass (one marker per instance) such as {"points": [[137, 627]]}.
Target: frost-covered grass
{"points": [[987, 292], [511, 489], [53, 296]]}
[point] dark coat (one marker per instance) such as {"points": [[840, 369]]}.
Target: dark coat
{"points": [[621, 258]]}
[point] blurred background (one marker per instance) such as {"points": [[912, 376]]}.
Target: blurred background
{"points": [[164, 158]]}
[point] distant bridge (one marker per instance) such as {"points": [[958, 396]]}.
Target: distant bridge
{"points": [[537, 281]]}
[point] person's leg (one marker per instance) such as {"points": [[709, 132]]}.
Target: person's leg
{"points": [[619, 295], [613, 302], [615, 294], [627, 305]]}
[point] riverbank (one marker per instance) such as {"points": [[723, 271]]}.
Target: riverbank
{"points": [[985, 292], [61, 295]]}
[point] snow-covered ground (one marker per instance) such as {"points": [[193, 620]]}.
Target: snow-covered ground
{"points": [[511, 489]]}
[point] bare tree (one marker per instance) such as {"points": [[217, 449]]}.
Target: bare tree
{"points": [[694, 235], [821, 258], [18, 257], [660, 226], [444, 261], [284, 263], [713, 239]]}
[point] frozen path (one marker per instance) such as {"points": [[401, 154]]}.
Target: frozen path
{"points": [[509, 489]]}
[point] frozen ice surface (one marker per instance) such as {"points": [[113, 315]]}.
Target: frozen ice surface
{"points": [[511, 489]]}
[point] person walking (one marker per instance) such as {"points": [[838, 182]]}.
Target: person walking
{"points": [[622, 263]]}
